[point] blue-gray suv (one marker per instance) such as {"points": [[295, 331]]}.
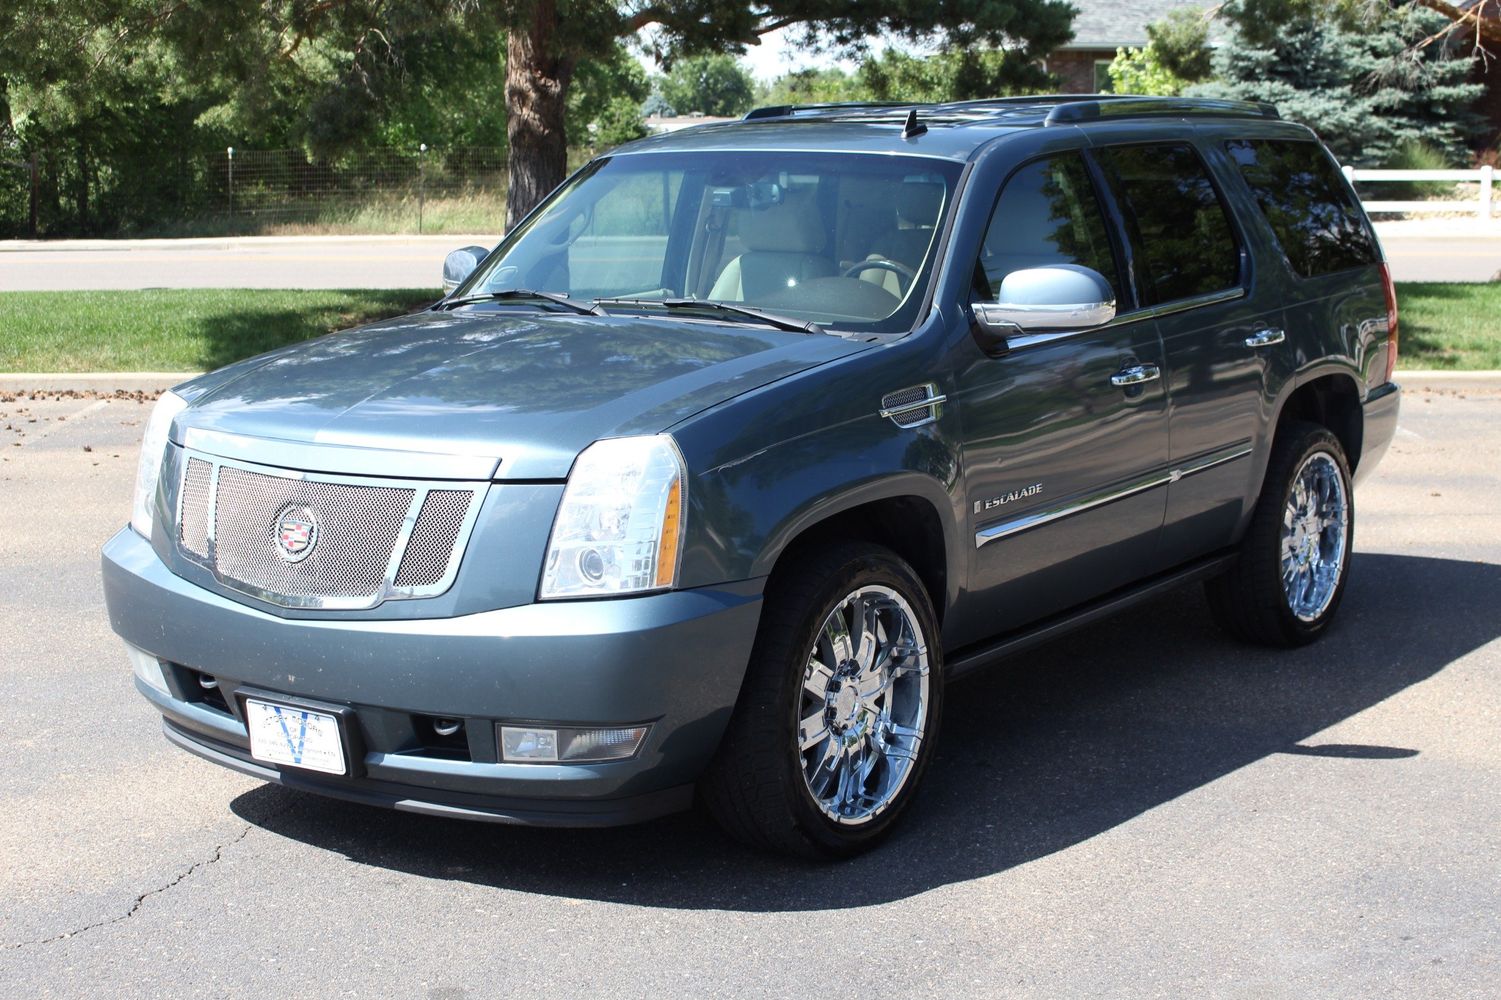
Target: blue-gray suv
{"points": [[749, 438]]}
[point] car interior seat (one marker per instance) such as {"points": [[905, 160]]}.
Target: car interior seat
{"points": [[784, 245], [917, 206]]}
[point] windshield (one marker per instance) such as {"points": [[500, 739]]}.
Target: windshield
{"points": [[841, 239]]}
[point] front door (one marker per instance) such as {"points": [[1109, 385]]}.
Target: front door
{"points": [[1064, 466]]}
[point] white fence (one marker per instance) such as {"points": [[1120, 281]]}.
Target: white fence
{"points": [[1485, 176]]}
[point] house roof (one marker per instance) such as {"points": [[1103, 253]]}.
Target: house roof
{"points": [[1114, 24]]}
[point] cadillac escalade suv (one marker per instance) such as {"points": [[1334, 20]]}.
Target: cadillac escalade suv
{"points": [[709, 476]]}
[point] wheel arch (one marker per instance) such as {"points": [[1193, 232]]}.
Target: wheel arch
{"points": [[1331, 399], [904, 513]]}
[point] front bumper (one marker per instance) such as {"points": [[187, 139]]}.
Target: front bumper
{"points": [[675, 660]]}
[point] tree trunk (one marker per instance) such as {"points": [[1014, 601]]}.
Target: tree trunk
{"points": [[83, 186], [537, 78]]}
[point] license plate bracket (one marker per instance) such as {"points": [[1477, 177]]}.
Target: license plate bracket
{"points": [[297, 734]]}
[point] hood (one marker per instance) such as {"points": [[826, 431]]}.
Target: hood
{"points": [[530, 390]]}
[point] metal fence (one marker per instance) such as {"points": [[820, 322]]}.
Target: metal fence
{"points": [[400, 190], [286, 183], [395, 190]]}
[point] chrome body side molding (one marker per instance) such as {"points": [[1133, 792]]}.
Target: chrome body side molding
{"points": [[1111, 494]]}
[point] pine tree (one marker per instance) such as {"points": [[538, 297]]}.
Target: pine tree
{"points": [[1362, 88]]}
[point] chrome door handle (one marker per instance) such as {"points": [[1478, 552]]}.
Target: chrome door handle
{"points": [[1136, 375], [1265, 338]]}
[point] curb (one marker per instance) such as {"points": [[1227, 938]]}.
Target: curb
{"points": [[109, 382], [92, 382], [1430, 381]]}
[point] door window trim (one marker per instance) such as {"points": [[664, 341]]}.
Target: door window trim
{"points": [[1243, 258], [1134, 316], [1119, 250]]}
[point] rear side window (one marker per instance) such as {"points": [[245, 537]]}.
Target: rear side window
{"points": [[1183, 241], [1309, 206], [1046, 214]]}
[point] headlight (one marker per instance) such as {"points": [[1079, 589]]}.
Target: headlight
{"points": [[153, 447], [619, 527]]}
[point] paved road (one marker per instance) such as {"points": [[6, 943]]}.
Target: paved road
{"points": [[251, 262], [1419, 252], [1143, 809], [1463, 258]]}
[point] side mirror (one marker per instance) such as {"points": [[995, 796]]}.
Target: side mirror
{"points": [[460, 264], [1044, 299]]}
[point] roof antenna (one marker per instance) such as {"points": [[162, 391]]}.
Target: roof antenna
{"points": [[913, 127]]}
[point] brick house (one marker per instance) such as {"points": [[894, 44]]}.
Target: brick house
{"points": [[1100, 28]]}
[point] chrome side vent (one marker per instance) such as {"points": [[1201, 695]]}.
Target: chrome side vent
{"points": [[913, 406]]}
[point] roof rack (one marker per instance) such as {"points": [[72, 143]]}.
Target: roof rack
{"points": [[783, 110], [1055, 109], [1105, 107]]}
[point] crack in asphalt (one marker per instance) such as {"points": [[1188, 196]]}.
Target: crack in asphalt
{"points": [[219, 850]]}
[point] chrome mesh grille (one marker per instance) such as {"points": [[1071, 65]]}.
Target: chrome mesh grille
{"points": [[192, 527], [357, 532], [361, 532], [426, 559], [903, 398]]}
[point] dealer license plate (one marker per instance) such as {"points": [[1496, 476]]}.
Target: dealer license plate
{"points": [[280, 734]]}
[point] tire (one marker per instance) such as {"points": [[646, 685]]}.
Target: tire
{"points": [[761, 784], [1289, 577]]}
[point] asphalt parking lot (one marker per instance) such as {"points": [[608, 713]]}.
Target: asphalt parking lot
{"points": [[1142, 809]]}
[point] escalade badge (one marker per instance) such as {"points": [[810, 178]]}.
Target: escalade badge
{"points": [[295, 532], [981, 506]]}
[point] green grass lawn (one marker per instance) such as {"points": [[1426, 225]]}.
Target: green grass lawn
{"points": [[1456, 326], [1445, 325], [176, 330]]}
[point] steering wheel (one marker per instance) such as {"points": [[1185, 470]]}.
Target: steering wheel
{"points": [[880, 264]]}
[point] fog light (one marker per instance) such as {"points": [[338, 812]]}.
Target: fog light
{"points": [[531, 744], [523, 744], [147, 668]]}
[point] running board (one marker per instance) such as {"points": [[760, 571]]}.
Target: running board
{"points": [[983, 655]]}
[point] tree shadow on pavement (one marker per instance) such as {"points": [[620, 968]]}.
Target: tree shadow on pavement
{"points": [[1066, 742]]}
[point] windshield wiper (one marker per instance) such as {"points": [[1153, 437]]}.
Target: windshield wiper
{"points": [[525, 294], [727, 308]]}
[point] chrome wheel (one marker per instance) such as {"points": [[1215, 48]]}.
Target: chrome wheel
{"points": [[863, 705], [1315, 533]]}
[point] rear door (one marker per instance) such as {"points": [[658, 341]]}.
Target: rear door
{"points": [[1064, 469], [1221, 322]]}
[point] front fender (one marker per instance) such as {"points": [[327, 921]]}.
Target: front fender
{"points": [[777, 462]]}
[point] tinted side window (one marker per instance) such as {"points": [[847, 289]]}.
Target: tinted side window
{"points": [[1310, 208], [1183, 240], [1046, 214]]}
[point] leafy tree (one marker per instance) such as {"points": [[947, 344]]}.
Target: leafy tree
{"points": [[1180, 42], [814, 86], [620, 122], [129, 104], [1365, 90], [1140, 71], [656, 106], [953, 74], [124, 98], [710, 85], [547, 41], [607, 94], [1177, 55]]}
